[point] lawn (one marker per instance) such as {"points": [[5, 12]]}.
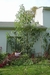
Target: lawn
{"points": [[36, 69]]}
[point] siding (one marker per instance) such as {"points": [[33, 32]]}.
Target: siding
{"points": [[46, 18], [4, 28]]}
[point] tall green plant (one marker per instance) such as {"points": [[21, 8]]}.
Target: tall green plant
{"points": [[26, 28]]}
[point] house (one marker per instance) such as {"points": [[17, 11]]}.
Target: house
{"points": [[5, 27]]}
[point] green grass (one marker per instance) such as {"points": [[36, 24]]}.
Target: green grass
{"points": [[26, 70]]}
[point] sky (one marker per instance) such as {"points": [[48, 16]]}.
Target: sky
{"points": [[9, 8]]}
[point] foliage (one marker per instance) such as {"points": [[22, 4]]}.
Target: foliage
{"points": [[45, 39], [2, 56], [49, 48], [48, 57], [14, 41], [33, 9], [20, 60], [27, 29], [36, 60], [46, 45], [28, 62]]}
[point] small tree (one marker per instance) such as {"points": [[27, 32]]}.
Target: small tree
{"points": [[26, 28]]}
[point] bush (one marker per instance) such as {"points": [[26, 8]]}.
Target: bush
{"points": [[2, 56], [48, 57], [28, 62], [37, 59], [21, 60]]}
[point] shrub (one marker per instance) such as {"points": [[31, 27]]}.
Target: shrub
{"points": [[48, 57], [21, 60], [2, 56], [37, 60], [28, 62]]}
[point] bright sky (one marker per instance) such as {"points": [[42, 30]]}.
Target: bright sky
{"points": [[9, 8]]}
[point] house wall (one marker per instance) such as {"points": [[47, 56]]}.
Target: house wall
{"points": [[4, 28], [38, 47], [3, 40], [39, 16], [46, 18]]}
